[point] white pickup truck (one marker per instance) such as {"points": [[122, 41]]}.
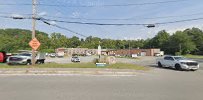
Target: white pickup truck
{"points": [[25, 59], [178, 62]]}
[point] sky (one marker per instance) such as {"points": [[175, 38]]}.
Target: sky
{"points": [[74, 11]]}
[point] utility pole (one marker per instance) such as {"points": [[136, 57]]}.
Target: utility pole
{"points": [[33, 27]]}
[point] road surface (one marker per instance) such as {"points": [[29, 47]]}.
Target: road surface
{"points": [[157, 84]]}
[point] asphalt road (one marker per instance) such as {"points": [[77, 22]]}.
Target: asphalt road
{"points": [[158, 84]]}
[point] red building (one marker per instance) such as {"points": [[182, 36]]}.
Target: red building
{"points": [[139, 52]]}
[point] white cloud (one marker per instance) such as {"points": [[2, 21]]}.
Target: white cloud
{"points": [[75, 14], [16, 15], [53, 22], [42, 13]]}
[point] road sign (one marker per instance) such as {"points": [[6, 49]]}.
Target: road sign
{"points": [[34, 43]]}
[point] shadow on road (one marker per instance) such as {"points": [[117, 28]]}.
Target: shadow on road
{"points": [[167, 68]]}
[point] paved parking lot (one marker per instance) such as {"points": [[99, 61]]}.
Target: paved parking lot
{"points": [[68, 59], [143, 61]]}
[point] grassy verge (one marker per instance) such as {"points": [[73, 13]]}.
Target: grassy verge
{"points": [[80, 65], [137, 58], [194, 56]]}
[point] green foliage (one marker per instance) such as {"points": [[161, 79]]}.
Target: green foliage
{"points": [[181, 42], [81, 65], [95, 60], [187, 41], [177, 53]]}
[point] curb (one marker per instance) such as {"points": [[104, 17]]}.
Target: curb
{"points": [[107, 72]]}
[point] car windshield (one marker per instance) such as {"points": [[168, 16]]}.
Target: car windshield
{"points": [[24, 54], [179, 58]]}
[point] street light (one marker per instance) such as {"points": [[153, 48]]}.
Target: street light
{"points": [[150, 26], [15, 17]]}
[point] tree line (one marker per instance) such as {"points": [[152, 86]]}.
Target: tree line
{"points": [[181, 42]]}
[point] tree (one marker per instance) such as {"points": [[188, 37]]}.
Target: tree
{"points": [[181, 42], [196, 36], [91, 42], [160, 39], [74, 42]]}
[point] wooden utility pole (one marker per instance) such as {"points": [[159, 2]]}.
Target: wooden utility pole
{"points": [[33, 27]]}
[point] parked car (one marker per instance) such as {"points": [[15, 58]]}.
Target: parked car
{"points": [[178, 62], [60, 54], [52, 55], [3, 57], [25, 59], [75, 59]]}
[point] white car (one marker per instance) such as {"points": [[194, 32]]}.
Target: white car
{"points": [[75, 59], [178, 62], [52, 55]]}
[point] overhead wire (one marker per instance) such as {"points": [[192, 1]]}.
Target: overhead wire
{"points": [[179, 21], [118, 5], [111, 5], [90, 23], [89, 27], [107, 24], [64, 28], [158, 17], [123, 24]]}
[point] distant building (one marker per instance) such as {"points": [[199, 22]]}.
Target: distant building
{"points": [[77, 51], [121, 52], [129, 52]]}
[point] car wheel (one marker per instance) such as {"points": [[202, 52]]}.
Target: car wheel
{"points": [[159, 64], [193, 69], [178, 67], [29, 62]]}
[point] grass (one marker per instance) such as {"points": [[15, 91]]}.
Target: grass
{"points": [[193, 56], [80, 65]]}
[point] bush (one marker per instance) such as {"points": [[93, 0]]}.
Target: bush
{"points": [[178, 53], [96, 60], [106, 59]]}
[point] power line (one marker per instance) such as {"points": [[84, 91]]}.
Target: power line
{"points": [[8, 13], [15, 4], [110, 24], [112, 5], [64, 28], [128, 24], [88, 23], [158, 17], [178, 21], [119, 5]]}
